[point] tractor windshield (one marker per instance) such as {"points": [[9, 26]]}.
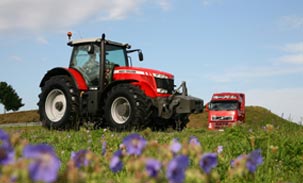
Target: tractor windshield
{"points": [[116, 55], [224, 105]]}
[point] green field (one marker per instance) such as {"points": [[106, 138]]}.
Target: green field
{"points": [[280, 142]]}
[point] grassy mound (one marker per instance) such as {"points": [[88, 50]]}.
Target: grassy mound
{"points": [[23, 116], [254, 116]]}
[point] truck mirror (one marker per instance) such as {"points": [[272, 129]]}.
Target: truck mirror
{"points": [[140, 54], [207, 107]]}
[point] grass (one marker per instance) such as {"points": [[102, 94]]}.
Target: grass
{"points": [[280, 141]]}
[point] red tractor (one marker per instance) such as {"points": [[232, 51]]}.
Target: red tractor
{"points": [[101, 86]]}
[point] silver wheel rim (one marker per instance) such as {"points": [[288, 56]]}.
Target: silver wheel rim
{"points": [[55, 105], [120, 110]]}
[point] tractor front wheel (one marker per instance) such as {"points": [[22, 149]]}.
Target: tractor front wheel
{"points": [[58, 105], [126, 108]]}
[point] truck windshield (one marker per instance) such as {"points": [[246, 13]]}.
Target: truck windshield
{"points": [[224, 106], [116, 55]]}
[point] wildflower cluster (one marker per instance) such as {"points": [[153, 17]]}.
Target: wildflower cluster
{"points": [[141, 160], [36, 163], [175, 162], [246, 163]]}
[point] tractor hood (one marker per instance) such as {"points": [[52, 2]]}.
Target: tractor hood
{"points": [[143, 71]]}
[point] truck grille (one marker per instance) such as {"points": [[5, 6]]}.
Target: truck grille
{"points": [[222, 118], [219, 125], [166, 84]]}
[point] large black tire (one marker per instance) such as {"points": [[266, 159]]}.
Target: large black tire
{"points": [[161, 124], [59, 104], [126, 108], [181, 122], [178, 123]]}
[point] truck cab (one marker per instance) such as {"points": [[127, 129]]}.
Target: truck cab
{"points": [[226, 109]]}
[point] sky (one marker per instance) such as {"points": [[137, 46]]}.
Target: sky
{"points": [[254, 47]]}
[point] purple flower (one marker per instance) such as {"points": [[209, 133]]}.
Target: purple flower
{"points": [[4, 137], [103, 148], [219, 149], [175, 146], [152, 167], [116, 164], [44, 165], [175, 171], [194, 141], [254, 159], [208, 162], [134, 144], [79, 158], [7, 153]]}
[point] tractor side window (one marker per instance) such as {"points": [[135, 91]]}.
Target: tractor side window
{"points": [[81, 55], [86, 60], [116, 55]]}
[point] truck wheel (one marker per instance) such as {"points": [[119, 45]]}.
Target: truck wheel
{"points": [[58, 105], [126, 108]]}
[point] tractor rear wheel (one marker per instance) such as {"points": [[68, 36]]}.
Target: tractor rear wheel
{"points": [[126, 107], [58, 105]]}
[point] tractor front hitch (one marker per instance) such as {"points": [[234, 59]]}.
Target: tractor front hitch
{"points": [[178, 103]]}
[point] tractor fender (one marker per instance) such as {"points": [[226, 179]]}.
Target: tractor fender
{"points": [[147, 88], [114, 83], [142, 85], [70, 72]]}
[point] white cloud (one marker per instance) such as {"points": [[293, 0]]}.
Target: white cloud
{"points": [[293, 59], [294, 47], [120, 9], [37, 15], [164, 4], [42, 40], [294, 53], [292, 22], [287, 102], [291, 62], [210, 2], [248, 73], [16, 58]]}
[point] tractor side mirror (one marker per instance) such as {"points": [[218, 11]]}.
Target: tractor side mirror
{"points": [[140, 54]]}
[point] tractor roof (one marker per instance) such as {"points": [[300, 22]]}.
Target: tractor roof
{"points": [[95, 40]]}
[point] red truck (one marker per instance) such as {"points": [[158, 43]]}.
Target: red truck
{"points": [[226, 109]]}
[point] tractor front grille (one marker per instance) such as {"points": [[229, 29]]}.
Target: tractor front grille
{"points": [[165, 84]]}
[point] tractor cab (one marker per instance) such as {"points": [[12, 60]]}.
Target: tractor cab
{"points": [[87, 59]]}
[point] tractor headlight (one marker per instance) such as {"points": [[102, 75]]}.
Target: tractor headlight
{"points": [[161, 76], [161, 90]]}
